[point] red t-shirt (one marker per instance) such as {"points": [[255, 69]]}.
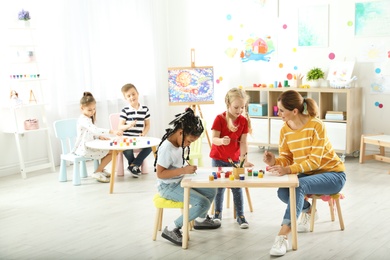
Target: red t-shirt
{"points": [[223, 152]]}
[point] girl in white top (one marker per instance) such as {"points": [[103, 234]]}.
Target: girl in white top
{"points": [[88, 131]]}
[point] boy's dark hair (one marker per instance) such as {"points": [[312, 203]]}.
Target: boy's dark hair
{"points": [[189, 123]]}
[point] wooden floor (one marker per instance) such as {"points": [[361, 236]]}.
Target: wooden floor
{"points": [[41, 218]]}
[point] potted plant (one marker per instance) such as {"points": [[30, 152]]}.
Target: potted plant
{"points": [[315, 75], [24, 16]]}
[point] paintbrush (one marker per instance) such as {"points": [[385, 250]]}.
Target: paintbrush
{"points": [[188, 162]]}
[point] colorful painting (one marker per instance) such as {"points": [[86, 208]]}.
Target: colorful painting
{"points": [[192, 85], [313, 26], [372, 18], [257, 49]]}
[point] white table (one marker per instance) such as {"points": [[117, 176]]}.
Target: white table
{"points": [[120, 146], [201, 180]]}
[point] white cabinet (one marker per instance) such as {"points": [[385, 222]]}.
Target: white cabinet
{"points": [[23, 77], [259, 131], [337, 134], [275, 126], [344, 134]]}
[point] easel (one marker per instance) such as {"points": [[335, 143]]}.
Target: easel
{"points": [[194, 106]]}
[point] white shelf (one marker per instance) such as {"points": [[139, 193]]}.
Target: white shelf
{"points": [[22, 42], [344, 134]]}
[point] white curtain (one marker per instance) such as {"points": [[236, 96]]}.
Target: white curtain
{"points": [[96, 46]]}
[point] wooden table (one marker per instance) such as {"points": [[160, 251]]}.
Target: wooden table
{"points": [[380, 140], [201, 180], [117, 145]]}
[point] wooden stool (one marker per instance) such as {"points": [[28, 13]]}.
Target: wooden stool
{"points": [[161, 203], [331, 199], [248, 196]]}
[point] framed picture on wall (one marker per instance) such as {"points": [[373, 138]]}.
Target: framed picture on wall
{"points": [[313, 26], [372, 18], [191, 85]]}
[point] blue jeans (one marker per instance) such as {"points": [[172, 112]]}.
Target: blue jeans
{"points": [[237, 192], [324, 183], [129, 154], [200, 199]]}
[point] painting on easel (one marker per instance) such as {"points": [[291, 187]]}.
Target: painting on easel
{"points": [[191, 85]]}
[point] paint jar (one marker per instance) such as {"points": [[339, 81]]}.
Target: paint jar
{"points": [[255, 173], [211, 177], [249, 171], [242, 177], [231, 177]]}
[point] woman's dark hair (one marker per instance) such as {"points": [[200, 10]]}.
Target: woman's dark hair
{"points": [[189, 123], [291, 99], [86, 100]]}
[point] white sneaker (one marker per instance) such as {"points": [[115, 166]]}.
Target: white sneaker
{"points": [[280, 246], [106, 173], [99, 176], [304, 222]]}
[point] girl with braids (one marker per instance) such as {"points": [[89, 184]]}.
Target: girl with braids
{"points": [[229, 135], [172, 153], [304, 149], [87, 131]]}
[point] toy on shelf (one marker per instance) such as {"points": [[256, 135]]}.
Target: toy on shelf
{"points": [[15, 101]]}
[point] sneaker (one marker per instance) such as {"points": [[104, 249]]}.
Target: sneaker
{"points": [[174, 236], [242, 222], [304, 222], [208, 223], [106, 173], [99, 176], [280, 246], [217, 217], [135, 171]]}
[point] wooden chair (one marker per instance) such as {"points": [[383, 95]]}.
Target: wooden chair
{"points": [[196, 149], [120, 170], [66, 131], [332, 200], [161, 203]]}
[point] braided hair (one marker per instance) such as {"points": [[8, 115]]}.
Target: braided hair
{"points": [[189, 123]]}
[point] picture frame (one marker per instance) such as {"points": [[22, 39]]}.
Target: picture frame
{"points": [[191, 85]]}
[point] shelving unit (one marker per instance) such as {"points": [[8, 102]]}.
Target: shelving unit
{"points": [[23, 76], [344, 134]]}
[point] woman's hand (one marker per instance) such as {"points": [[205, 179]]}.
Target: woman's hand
{"points": [[190, 169], [101, 137], [279, 170], [269, 158]]}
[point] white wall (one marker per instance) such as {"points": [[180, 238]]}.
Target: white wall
{"points": [[202, 24]]}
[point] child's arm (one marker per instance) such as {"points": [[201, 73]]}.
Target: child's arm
{"points": [[217, 140], [164, 173], [123, 126], [146, 128], [244, 150]]}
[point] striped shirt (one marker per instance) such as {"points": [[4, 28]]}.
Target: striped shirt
{"points": [[308, 149], [130, 114]]}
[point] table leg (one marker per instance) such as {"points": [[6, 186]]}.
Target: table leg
{"points": [[185, 217], [113, 168], [293, 215]]}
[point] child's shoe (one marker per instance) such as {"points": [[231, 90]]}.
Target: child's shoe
{"points": [[217, 217], [208, 223], [174, 236], [106, 173], [99, 176], [242, 222]]}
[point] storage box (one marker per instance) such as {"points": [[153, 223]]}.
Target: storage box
{"points": [[259, 109]]}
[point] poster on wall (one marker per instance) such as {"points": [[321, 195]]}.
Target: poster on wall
{"points": [[313, 24], [191, 85], [372, 18]]}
